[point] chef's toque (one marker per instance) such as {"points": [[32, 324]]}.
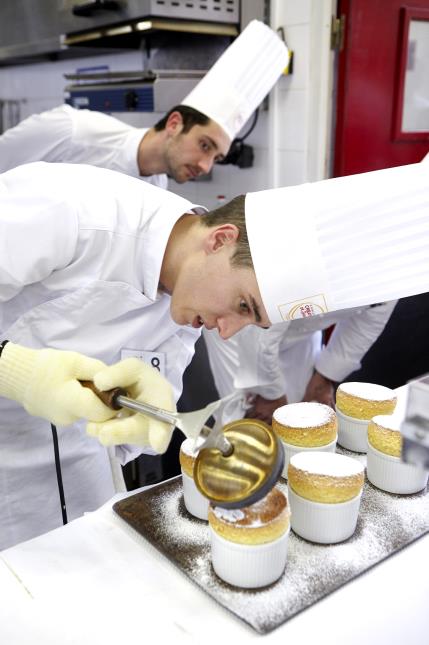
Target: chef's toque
{"points": [[341, 243], [239, 81]]}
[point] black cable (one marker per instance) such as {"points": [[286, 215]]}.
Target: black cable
{"points": [[59, 475], [239, 153], [252, 127], [57, 460]]}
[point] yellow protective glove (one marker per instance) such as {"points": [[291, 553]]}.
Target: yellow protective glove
{"points": [[45, 382], [143, 383]]}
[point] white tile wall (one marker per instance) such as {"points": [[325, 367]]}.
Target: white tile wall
{"points": [[292, 168], [299, 120], [295, 12], [293, 120], [298, 40]]}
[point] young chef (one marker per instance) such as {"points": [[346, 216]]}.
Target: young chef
{"points": [[98, 263], [184, 144]]}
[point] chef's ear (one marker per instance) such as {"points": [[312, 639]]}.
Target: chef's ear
{"points": [[174, 123], [220, 236]]}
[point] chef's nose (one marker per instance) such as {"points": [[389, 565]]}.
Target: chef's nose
{"points": [[228, 326], [205, 164]]}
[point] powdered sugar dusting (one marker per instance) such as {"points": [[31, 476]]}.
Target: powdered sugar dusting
{"points": [[389, 421], [304, 415], [229, 514], [369, 391], [326, 463], [186, 531]]}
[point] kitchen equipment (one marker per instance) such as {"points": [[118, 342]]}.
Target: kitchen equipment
{"points": [[192, 424], [84, 21], [112, 92], [415, 425], [236, 466], [245, 475]]}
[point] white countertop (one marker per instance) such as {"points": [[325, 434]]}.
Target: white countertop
{"points": [[96, 581]]}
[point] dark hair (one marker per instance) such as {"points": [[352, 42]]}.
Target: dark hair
{"points": [[190, 118], [233, 213]]}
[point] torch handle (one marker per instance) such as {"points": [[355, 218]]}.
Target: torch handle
{"points": [[109, 397]]}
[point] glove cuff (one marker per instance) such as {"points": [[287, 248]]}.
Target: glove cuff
{"points": [[16, 367]]}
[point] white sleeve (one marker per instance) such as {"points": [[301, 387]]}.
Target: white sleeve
{"points": [[351, 339], [41, 137], [38, 231], [259, 368]]}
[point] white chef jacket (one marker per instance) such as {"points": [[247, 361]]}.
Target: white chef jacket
{"points": [[80, 258], [280, 360], [67, 135]]}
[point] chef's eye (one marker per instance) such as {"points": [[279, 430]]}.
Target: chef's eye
{"points": [[244, 307], [205, 147]]}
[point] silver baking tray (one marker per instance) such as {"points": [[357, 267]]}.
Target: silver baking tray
{"points": [[386, 524]]}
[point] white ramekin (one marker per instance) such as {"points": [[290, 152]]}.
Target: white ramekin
{"points": [[393, 475], [352, 433], [323, 523], [248, 565], [290, 450], [196, 504]]}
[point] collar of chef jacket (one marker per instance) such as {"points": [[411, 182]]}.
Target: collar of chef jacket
{"points": [[156, 233], [127, 155]]}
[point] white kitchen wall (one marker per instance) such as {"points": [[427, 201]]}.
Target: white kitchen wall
{"points": [[290, 139], [300, 119]]}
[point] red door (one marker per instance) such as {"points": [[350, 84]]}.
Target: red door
{"points": [[380, 46]]}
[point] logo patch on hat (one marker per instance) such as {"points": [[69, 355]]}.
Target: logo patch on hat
{"points": [[305, 308]]}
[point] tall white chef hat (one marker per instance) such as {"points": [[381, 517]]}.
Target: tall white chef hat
{"points": [[241, 78], [341, 243]]}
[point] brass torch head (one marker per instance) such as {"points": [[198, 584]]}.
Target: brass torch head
{"points": [[247, 474]]}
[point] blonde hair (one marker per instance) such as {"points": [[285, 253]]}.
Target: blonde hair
{"points": [[233, 213]]}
